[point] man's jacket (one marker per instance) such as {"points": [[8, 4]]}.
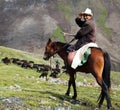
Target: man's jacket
{"points": [[86, 34]]}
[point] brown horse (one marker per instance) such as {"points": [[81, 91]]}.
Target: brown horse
{"points": [[98, 65]]}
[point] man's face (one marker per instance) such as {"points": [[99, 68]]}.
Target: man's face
{"points": [[84, 17], [87, 17]]}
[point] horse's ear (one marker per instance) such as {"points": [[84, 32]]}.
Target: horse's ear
{"points": [[49, 40]]}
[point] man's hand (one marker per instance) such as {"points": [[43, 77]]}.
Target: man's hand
{"points": [[68, 34], [80, 15], [65, 34]]}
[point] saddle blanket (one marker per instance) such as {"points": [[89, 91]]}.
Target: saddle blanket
{"points": [[80, 53]]}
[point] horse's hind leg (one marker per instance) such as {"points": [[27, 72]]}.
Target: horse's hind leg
{"points": [[106, 91], [101, 98], [104, 94]]}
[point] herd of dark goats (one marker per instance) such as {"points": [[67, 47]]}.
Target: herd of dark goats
{"points": [[41, 68]]}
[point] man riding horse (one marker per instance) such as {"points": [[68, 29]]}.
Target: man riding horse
{"points": [[98, 63]]}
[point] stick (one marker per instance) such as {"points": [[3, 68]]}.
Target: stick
{"points": [[68, 34]]}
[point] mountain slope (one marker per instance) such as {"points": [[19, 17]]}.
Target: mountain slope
{"points": [[27, 24]]}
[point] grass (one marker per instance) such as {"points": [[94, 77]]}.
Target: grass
{"points": [[57, 33], [36, 93]]}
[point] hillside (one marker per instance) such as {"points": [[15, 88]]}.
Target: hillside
{"points": [[27, 24], [22, 89]]}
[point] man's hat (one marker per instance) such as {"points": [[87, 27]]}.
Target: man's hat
{"points": [[88, 12]]}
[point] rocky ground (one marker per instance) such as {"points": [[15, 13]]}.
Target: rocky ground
{"points": [[17, 103]]}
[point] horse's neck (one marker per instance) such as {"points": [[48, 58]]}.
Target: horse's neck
{"points": [[62, 53]]}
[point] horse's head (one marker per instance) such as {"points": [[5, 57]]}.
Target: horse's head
{"points": [[50, 49]]}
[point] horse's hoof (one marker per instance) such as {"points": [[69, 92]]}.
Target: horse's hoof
{"points": [[74, 97], [111, 108], [66, 94]]}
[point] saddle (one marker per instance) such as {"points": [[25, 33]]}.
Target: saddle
{"points": [[79, 57]]}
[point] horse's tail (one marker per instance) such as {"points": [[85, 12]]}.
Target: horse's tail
{"points": [[106, 73], [106, 70]]}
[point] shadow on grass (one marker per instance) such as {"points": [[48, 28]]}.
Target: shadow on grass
{"points": [[63, 98]]}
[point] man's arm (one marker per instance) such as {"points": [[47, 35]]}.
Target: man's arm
{"points": [[83, 31]]}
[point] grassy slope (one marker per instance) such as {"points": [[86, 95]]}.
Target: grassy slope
{"points": [[36, 92]]}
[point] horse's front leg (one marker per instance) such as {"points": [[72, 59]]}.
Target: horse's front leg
{"points": [[72, 82], [74, 88], [68, 90]]}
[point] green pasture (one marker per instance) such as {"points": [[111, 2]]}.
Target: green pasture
{"points": [[36, 93]]}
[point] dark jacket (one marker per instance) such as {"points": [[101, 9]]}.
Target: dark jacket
{"points": [[85, 35]]}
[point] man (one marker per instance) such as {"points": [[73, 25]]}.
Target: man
{"points": [[86, 34]]}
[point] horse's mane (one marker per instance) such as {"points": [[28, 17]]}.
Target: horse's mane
{"points": [[62, 44]]}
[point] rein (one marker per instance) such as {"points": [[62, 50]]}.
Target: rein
{"points": [[64, 46]]}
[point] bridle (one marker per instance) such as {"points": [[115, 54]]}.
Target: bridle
{"points": [[57, 51], [64, 46]]}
